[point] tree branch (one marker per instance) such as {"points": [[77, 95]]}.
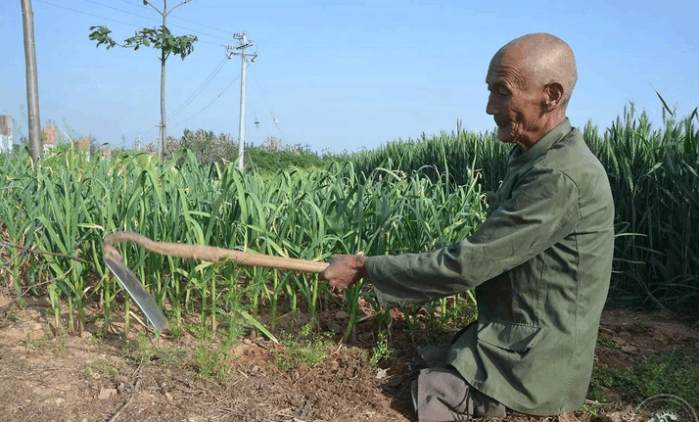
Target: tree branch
{"points": [[176, 6], [148, 3]]}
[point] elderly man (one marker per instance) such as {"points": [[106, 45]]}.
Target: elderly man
{"points": [[540, 263]]}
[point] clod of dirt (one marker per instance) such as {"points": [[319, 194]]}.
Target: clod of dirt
{"points": [[107, 393]]}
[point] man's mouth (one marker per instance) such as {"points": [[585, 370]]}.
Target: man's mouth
{"points": [[501, 123]]}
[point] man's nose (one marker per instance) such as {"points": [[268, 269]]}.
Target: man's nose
{"points": [[490, 107]]}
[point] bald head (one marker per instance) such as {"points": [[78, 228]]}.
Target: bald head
{"points": [[530, 81], [540, 59]]}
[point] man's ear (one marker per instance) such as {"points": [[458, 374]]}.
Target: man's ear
{"points": [[554, 96]]}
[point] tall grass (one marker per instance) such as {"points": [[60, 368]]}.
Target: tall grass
{"points": [[66, 204], [406, 196], [654, 178]]}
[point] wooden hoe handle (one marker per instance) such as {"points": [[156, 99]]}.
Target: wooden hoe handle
{"points": [[211, 253]]}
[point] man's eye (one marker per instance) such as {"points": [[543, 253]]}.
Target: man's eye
{"points": [[499, 90]]}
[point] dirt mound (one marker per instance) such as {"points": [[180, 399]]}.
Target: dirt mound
{"points": [[45, 377]]}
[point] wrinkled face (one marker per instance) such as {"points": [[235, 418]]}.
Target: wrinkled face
{"points": [[514, 102]]}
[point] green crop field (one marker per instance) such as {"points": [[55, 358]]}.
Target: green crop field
{"points": [[654, 178], [408, 196]]}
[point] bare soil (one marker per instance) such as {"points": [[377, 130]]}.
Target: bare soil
{"points": [[45, 376]]}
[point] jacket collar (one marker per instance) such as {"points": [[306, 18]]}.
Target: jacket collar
{"points": [[519, 157]]}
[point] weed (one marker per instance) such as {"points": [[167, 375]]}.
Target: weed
{"points": [[212, 361], [381, 350], [607, 342], [140, 348], [675, 372], [99, 369], [306, 350], [55, 344]]}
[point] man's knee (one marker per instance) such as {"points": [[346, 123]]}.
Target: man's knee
{"points": [[441, 394]]}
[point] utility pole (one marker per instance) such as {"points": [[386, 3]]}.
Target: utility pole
{"points": [[163, 117], [163, 59], [32, 85], [239, 50]]}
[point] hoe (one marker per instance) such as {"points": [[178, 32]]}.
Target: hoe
{"points": [[130, 282]]}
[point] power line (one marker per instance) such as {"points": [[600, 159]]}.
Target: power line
{"points": [[201, 110], [190, 98], [270, 110], [119, 10], [212, 102], [82, 12], [142, 132], [227, 32], [128, 12], [200, 88]]}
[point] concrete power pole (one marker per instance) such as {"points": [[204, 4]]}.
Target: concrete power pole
{"points": [[32, 85], [163, 59], [239, 50], [163, 117]]}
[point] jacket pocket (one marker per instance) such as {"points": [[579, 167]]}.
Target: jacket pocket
{"points": [[509, 336]]}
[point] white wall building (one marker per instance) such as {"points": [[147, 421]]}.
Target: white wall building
{"points": [[5, 134]]}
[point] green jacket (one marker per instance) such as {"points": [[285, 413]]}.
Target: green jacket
{"points": [[540, 265]]}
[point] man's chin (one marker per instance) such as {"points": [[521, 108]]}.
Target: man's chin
{"points": [[505, 135]]}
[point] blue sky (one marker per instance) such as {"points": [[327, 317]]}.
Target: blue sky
{"points": [[339, 74]]}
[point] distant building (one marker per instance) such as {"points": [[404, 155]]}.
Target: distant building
{"points": [[5, 134], [48, 138], [106, 151], [272, 144], [84, 146]]}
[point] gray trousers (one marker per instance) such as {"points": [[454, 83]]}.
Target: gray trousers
{"points": [[440, 394]]}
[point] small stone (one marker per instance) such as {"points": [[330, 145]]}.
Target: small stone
{"points": [[334, 327], [59, 401], [381, 373], [341, 315], [107, 393], [168, 396], [257, 371], [629, 348]]}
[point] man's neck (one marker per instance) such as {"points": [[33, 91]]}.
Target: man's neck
{"points": [[548, 123]]}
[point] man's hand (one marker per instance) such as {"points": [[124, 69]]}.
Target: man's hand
{"points": [[344, 270]]}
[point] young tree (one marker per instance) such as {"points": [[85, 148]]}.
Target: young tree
{"points": [[159, 38]]}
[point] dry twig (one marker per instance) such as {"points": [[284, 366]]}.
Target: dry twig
{"points": [[134, 390]]}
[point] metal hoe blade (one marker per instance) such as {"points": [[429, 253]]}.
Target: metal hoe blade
{"points": [[133, 287]]}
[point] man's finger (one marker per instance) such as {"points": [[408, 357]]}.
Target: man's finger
{"points": [[336, 286]]}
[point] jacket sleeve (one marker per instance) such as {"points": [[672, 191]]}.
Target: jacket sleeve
{"points": [[542, 210]]}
